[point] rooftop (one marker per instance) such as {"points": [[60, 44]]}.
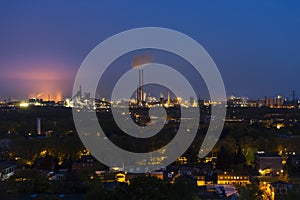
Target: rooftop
{"points": [[6, 164], [268, 155]]}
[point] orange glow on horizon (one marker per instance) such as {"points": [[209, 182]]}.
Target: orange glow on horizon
{"points": [[40, 74], [49, 96], [45, 79]]}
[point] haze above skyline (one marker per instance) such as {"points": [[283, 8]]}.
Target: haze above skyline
{"points": [[255, 44]]}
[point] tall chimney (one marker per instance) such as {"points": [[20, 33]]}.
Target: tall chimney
{"points": [[80, 92], [142, 86], [38, 126], [139, 98], [137, 94]]}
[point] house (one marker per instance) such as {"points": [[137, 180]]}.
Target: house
{"points": [[7, 169], [45, 163], [203, 193], [61, 175], [278, 190], [205, 178], [293, 162], [233, 179], [87, 161], [216, 191], [269, 163]]}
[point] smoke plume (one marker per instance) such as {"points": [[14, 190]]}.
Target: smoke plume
{"points": [[141, 59]]}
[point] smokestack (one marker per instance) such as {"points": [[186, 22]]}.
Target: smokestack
{"points": [[80, 91], [38, 126], [139, 88], [137, 94], [142, 86], [169, 98], [136, 62]]}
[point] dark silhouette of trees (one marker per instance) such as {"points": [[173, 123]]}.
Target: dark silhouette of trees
{"points": [[238, 157], [224, 159], [251, 192], [183, 188], [147, 188], [29, 181]]}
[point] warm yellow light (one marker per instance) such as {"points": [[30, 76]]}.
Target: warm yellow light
{"points": [[284, 162], [29, 163], [24, 105], [121, 178], [200, 183], [43, 153], [280, 125]]}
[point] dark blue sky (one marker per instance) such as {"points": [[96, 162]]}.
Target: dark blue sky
{"points": [[255, 44]]}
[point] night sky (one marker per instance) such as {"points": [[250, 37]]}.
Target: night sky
{"points": [[255, 44]]}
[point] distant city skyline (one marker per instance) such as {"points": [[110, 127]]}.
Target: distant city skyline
{"points": [[255, 44]]}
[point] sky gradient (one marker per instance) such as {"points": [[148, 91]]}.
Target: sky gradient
{"points": [[255, 44]]}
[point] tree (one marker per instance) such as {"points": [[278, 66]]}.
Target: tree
{"points": [[224, 159], [183, 188], [239, 157], [147, 188], [30, 181], [251, 192], [101, 193]]}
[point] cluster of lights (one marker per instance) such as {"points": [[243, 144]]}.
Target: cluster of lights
{"points": [[267, 171], [24, 105]]}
